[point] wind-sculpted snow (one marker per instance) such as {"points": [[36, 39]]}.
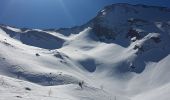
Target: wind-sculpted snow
{"points": [[36, 38], [121, 54]]}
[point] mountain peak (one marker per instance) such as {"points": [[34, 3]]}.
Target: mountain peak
{"points": [[119, 18]]}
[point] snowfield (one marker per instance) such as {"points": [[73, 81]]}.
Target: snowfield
{"points": [[121, 54]]}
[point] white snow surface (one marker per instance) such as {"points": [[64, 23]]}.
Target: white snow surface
{"points": [[48, 65]]}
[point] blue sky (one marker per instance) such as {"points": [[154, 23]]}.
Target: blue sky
{"points": [[57, 13]]}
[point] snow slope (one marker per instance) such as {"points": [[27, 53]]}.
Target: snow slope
{"points": [[121, 54]]}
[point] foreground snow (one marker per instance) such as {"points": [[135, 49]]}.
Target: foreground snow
{"points": [[15, 89]]}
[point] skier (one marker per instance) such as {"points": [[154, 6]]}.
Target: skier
{"points": [[81, 84]]}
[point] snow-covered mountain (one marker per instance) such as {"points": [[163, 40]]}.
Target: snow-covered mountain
{"points": [[121, 54]]}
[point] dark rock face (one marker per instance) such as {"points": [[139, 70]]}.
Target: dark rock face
{"points": [[133, 33], [103, 32]]}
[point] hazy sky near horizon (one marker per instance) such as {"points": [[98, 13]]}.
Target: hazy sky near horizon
{"points": [[57, 13]]}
